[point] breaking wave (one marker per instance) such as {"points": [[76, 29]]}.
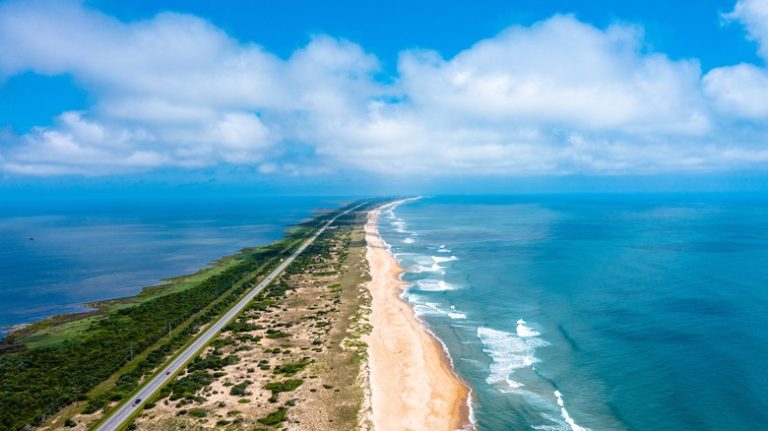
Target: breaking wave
{"points": [[508, 352]]}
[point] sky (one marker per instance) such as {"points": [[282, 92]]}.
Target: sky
{"points": [[361, 97]]}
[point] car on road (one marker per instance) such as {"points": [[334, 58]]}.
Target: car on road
{"points": [[136, 401]]}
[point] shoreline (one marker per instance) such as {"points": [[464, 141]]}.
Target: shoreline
{"points": [[142, 287], [194, 302], [10, 333], [411, 374]]}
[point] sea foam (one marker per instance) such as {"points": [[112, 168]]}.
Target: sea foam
{"points": [[441, 259], [425, 264], [423, 307], [524, 331], [434, 285], [399, 225], [509, 352], [454, 314], [426, 308], [566, 416]]}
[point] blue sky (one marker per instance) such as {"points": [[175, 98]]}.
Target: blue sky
{"points": [[297, 96]]}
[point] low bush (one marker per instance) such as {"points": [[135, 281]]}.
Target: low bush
{"points": [[198, 413], [274, 418]]}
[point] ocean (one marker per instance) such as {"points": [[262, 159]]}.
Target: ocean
{"points": [[57, 255], [642, 312]]}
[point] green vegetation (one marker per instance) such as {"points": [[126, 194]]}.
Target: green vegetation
{"points": [[240, 326], [282, 386], [263, 304], [273, 333], [128, 340], [240, 388], [187, 386], [197, 413], [274, 418], [212, 361], [292, 368]]}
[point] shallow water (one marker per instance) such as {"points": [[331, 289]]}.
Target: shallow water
{"points": [[55, 256], [601, 313]]}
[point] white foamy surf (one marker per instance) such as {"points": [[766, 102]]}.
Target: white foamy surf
{"points": [[399, 225], [566, 416], [509, 352], [434, 285], [515, 366], [422, 307], [453, 314], [426, 308], [425, 264], [524, 331], [441, 259]]}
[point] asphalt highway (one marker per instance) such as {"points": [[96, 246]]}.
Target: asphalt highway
{"points": [[122, 414]]}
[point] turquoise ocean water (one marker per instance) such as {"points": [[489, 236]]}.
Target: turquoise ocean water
{"points": [[601, 313]]}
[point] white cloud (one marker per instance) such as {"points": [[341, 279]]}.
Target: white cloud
{"points": [[173, 87], [560, 96], [753, 14], [741, 91], [561, 72]]}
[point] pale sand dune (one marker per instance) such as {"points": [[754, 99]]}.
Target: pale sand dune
{"points": [[413, 386]]}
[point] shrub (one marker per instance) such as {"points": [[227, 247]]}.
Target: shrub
{"points": [[291, 368], [198, 413], [274, 418], [239, 389], [273, 334], [187, 386], [283, 386]]}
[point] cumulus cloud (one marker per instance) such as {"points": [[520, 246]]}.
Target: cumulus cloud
{"points": [[172, 90], [753, 14], [741, 91], [559, 96], [562, 72]]}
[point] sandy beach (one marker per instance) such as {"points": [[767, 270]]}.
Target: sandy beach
{"points": [[413, 386]]}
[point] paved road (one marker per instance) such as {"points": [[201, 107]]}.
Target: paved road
{"points": [[125, 411]]}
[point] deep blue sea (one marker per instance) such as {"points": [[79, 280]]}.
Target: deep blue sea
{"points": [[57, 255], [643, 312]]}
